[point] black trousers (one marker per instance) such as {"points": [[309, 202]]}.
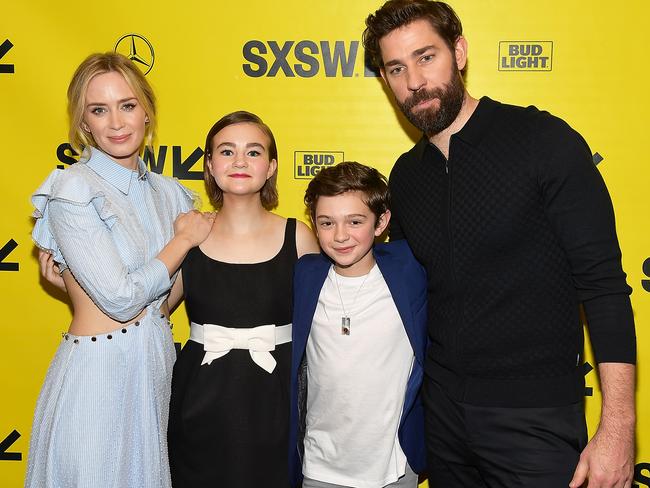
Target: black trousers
{"points": [[473, 446]]}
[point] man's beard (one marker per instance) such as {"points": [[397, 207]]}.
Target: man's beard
{"points": [[434, 120]]}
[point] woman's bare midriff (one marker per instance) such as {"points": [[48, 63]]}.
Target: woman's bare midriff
{"points": [[87, 318]]}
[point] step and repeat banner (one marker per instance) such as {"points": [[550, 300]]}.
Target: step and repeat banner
{"points": [[300, 66]]}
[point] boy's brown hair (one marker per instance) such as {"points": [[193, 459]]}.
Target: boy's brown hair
{"points": [[349, 176]]}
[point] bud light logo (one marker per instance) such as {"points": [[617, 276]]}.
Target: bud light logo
{"points": [[307, 164], [305, 59], [525, 56]]}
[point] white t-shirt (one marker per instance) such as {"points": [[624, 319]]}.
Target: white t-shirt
{"points": [[356, 384]]}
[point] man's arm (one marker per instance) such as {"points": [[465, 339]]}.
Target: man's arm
{"points": [[608, 459], [580, 209]]}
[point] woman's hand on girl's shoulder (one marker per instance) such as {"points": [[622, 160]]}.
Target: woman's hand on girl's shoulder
{"points": [[194, 226]]}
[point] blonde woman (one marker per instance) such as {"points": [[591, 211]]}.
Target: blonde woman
{"points": [[118, 233]]}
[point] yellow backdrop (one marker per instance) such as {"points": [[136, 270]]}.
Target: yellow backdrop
{"points": [[300, 66]]}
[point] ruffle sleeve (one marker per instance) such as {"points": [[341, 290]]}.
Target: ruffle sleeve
{"points": [[72, 188]]}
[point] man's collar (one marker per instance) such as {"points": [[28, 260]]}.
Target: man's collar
{"points": [[474, 129], [114, 173], [479, 122]]}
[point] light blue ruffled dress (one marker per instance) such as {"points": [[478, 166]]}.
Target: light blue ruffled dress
{"points": [[101, 417]]}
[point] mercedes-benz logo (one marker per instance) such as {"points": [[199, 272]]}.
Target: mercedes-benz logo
{"points": [[137, 49]]}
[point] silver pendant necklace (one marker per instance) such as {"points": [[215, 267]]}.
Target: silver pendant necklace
{"points": [[345, 318]]}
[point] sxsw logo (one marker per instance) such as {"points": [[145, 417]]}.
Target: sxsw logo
{"points": [[304, 59], [4, 49], [307, 164], [4, 252], [8, 441], [182, 163], [525, 55], [646, 271]]}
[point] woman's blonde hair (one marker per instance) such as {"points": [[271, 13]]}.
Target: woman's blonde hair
{"points": [[97, 64]]}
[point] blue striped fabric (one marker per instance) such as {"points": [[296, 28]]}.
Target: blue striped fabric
{"points": [[104, 222], [101, 417]]}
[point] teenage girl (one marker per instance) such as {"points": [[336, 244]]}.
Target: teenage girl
{"points": [[230, 391]]}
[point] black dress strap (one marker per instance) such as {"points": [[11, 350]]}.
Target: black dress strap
{"points": [[289, 246]]}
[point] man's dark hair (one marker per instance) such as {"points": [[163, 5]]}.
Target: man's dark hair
{"points": [[349, 176], [397, 13]]}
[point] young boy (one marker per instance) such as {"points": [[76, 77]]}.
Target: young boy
{"points": [[359, 340]]}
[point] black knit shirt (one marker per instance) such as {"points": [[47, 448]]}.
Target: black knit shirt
{"points": [[516, 230]]}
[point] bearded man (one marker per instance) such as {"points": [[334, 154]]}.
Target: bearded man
{"points": [[506, 210]]}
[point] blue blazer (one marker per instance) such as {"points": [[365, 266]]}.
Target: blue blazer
{"points": [[406, 280]]}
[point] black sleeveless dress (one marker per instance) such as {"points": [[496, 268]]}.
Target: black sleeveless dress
{"points": [[229, 420]]}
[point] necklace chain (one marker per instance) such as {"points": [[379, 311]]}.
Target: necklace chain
{"points": [[345, 319]]}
